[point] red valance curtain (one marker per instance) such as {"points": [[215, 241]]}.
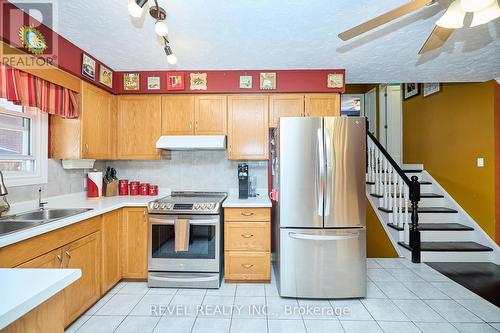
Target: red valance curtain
{"points": [[25, 89]]}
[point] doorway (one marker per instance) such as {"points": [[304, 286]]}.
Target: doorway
{"points": [[371, 110], [391, 125], [352, 105]]}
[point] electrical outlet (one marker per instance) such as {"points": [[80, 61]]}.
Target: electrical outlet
{"points": [[480, 162]]}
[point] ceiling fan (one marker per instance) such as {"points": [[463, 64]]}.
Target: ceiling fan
{"points": [[483, 11]]}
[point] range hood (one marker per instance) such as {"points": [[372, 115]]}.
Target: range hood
{"points": [[192, 142]]}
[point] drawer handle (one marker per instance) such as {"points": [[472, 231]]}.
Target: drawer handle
{"points": [[60, 260], [69, 258], [247, 213], [247, 266], [247, 235]]}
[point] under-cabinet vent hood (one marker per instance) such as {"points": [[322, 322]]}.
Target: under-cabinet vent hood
{"points": [[192, 142]]}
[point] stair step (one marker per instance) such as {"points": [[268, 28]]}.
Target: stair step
{"points": [[425, 182], [422, 195], [436, 227], [450, 247], [424, 210], [412, 171]]}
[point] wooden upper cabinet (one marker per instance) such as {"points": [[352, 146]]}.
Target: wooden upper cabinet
{"points": [[98, 119], [134, 243], [285, 105], [139, 127], [177, 115], [210, 114], [248, 132], [317, 105]]}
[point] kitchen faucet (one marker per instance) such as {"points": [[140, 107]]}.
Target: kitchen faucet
{"points": [[4, 204], [40, 203]]}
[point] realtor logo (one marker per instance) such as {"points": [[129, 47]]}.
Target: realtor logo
{"points": [[27, 30]]}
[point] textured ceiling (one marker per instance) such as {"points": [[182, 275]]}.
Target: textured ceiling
{"points": [[282, 34]]}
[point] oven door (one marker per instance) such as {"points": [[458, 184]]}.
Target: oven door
{"points": [[204, 242]]}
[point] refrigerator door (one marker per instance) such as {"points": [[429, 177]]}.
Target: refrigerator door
{"points": [[301, 172], [325, 263], [345, 154]]}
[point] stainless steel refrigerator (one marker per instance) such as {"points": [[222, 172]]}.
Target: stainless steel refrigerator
{"points": [[320, 236]]}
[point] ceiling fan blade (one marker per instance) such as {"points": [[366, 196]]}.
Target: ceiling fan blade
{"points": [[383, 19], [436, 39]]}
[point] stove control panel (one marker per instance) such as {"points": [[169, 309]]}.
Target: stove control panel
{"points": [[171, 207]]}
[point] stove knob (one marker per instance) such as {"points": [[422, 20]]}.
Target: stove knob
{"points": [[212, 206], [151, 205], [162, 206], [156, 205]]}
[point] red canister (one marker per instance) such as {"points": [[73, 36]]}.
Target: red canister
{"points": [[153, 190], [123, 187], [134, 188], [144, 189]]}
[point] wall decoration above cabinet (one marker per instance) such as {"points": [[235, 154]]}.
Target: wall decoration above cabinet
{"points": [[246, 82], [106, 76], [268, 81], [131, 81], [198, 81], [88, 67], [335, 80], [154, 83], [175, 81]]}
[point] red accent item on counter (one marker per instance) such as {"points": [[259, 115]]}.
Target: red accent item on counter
{"points": [[153, 190], [144, 189], [134, 188], [92, 189], [123, 187]]}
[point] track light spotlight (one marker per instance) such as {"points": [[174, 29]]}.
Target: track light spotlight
{"points": [[135, 7]]}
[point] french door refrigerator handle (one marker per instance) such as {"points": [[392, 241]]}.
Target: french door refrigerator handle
{"points": [[329, 168], [322, 237], [320, 179]]}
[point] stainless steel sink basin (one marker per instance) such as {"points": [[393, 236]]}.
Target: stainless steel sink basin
{"points": [[45, 215], [7, 227]]}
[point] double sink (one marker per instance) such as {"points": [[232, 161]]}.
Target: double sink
{"points": [[13, 223]]}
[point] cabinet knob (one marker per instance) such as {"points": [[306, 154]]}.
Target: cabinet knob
{"points": [[87, 148], [60, 260], [69, 258]]}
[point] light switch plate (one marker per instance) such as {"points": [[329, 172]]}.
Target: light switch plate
{"points": [[480, 162]]}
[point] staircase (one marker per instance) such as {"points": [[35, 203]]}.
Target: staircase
{"points": [[423, 222]]}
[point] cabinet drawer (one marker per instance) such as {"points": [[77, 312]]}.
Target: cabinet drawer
{"points": [[247, 214], [247, 266], [247, 236]]}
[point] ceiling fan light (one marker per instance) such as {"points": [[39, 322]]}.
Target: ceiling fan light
{"points": [[486, 15], [473, 6], [453, 18], [172, 59], [135, 8], [161, 28]]}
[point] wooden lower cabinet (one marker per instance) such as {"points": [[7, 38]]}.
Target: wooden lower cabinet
{"points": [[134, 243], [53, 259], [111, 258], [247, 244], [83, 254]]}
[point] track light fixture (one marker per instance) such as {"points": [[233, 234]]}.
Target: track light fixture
{"points": [[135, 9]]}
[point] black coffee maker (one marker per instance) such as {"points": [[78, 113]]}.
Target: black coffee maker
{"points": [[243, 180]]}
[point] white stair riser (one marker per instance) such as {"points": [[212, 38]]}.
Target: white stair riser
{"points": [[424, 202], [424, 188], [456, 256], [429, 217], [446, 236]]}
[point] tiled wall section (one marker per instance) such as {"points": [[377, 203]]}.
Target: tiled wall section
{"points": [[191, 170]]}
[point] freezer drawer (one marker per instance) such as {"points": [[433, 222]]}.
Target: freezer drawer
{"points": [[322, 263]]}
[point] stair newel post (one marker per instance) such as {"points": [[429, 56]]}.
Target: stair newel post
{"points": [[384, 183], [400, 203], [377, 173], [414, 232]]}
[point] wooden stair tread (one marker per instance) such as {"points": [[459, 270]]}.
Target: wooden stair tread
{"points": [[450, 247], [436, 227], [422, 195], [424, 210]]}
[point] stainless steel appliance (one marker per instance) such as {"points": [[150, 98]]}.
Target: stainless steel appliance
{"points": [[201, 265], [320, 236]]}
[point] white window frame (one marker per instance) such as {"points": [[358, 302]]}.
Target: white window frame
{"points": [[39, 148]]}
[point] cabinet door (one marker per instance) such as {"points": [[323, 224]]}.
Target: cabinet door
{"points": [[210, 114], [134, 243], [285, 105], [318, 105], [98, 123], [177, 115], [139, 127], [83, 254], [52, 259], [248, 131], [110, 232]]}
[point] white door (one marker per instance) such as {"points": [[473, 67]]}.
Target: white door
{"points": [[371, 110], [391, 121]]}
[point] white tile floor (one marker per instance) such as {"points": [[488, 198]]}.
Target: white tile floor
{"points": [[402, 297]]}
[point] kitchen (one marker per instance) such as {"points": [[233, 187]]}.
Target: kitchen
{"points": [[158, 198]]}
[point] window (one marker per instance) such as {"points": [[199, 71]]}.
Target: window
{"points": [[23, 144]]}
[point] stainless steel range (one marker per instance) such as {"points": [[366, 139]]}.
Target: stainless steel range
{"points": [[200, 266]]}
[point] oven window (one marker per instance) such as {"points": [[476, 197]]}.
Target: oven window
{"points": [[201, 242]]}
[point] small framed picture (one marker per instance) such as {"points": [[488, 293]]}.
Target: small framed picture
{"points": [[198, 81], [175, 81], [431, 88], [335, 81], [245, 82], [268, 81], [88, 67], [106, 76], [131, 81], [153, 83], [410, 90]]}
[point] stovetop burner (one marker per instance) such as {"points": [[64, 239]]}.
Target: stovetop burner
{"points": [[188, 203]]}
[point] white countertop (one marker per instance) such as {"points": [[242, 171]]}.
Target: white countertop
{"points": [[78, 200], [24, 289], [261, 200]]}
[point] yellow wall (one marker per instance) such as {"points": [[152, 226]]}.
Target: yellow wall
{"points": [[378, 244], [447, 132]]}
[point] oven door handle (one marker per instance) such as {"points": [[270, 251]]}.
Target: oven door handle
{"points": [[153, 220]]}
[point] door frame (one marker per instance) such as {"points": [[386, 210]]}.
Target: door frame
{"points": [[368, 97], [383, 118]]}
